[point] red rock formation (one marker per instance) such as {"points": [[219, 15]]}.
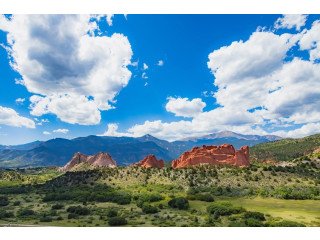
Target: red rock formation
{"points": [[98, 160], [75, 160], [101, 159], [150, 161], [213, 155]]}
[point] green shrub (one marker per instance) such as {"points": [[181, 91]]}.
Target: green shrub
{"points": [[223, 209], [45, 219], [180, 203], [153, 197], [149, 209], [26, 212], [255, 215], [297, 193], [237, 224], [117, 221], [206, 197], [252, 222], [78, 210], [112, 212], [5, 214], [57, 206], [89, 194], [4, 201], [16, 203], [286, 223], [73, 216]]}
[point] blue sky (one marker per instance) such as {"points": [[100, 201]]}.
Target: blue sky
{"points": [[172, 76]]}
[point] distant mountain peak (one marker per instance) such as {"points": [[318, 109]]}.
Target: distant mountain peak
{"points": [[148, 137], [230, 134]]}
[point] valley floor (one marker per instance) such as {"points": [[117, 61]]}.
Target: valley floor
{"points": [[133, 196]]}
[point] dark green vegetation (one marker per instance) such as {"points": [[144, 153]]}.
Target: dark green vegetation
{"points": [[262, 195], [286, 149], [179, 203], [283, 193]]}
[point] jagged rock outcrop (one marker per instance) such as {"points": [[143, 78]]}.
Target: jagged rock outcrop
{"points": [[100, 159], [150, 161], [214, 155]]}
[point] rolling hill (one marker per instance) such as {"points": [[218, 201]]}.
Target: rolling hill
{"points": [[285, 149]]}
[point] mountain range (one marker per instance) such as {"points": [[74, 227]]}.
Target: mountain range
{"points": [[124, 150]]}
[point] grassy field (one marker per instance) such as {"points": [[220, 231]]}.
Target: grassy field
{"points": [[277, 194], [306, 211]]}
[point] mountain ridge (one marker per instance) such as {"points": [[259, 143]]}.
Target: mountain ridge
{"points": [[124, 150]]}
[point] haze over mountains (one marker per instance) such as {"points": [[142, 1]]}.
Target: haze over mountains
{"points": [[124, 150]]}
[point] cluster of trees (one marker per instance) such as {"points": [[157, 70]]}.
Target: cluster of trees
{"points": [[25, 212], [117, 221], [76, 211], [142, 199], [57, 206], [286, 149], [179, 203], [114, 219], [296, 193], [6, 214], [73, 179], [149, 209], [223, 209], [89, 194], [4, 201], [15, 189], [206, 197]]}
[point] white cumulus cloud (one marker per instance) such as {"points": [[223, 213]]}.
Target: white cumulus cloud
{"points": [[61, 130], [112, 131], [310, 40], [289, 21], [261, 88], [10, 117], [20, 100], [63, 62], [183, 107]]}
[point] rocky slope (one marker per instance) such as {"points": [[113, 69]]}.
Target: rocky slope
{"points": [[150, 161], [214, 155], [100, 159]]}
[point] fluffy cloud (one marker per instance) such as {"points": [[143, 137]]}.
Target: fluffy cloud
{"points": [[260, 89], [297, 92], [109, 19], [112, 131], [172, 131], [41, 121], [183, 107], [20, 100], [10, 117], [291, 21], [61, 130], [63, 62], [145, 66], [310, 40], [303, 131], [68, 108]]}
